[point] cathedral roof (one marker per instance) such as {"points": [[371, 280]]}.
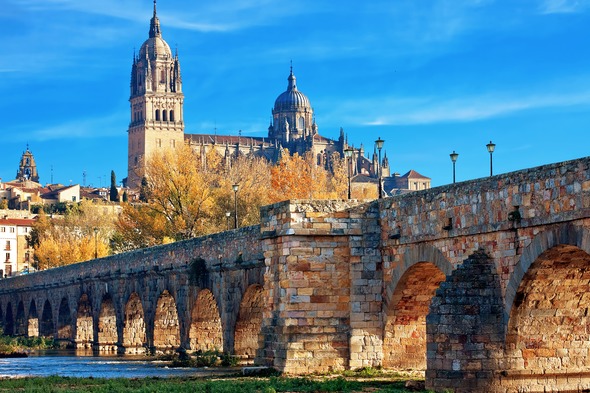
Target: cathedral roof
{"points": [[292, 98], [155, 46]]}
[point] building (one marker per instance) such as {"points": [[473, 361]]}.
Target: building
{"points": [[27, 169], [156, 120], [16, 254]]}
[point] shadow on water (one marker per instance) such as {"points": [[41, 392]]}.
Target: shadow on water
{"points": [[72, 363]]}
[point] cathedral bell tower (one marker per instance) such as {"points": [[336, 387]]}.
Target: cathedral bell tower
{"points": [[156, 103], [27, 169]]}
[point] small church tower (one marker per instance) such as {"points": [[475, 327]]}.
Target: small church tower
{"points": [[27, 169], [156, 102]]}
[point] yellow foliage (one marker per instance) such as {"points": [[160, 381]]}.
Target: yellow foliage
{"points": [[191, 195], [72, 238]]}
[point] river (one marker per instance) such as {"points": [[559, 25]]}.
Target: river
{"points": [[74, 364]]}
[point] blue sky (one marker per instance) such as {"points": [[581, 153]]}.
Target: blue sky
{"points": [[427, 76]]}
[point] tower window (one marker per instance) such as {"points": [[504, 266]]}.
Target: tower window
{"points": [[164, 115], [172, 143], [171, 115], [157, 115], [301, 123]]}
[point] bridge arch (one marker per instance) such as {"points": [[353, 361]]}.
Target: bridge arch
{"points": [[549, 307], [407, 304], [46, 325], [33, 320], [166, 324], [249, 322], [134, 328], [563, 234], [107, 325], [65, 321], [8, 320], [206, 331], [20, 327]]}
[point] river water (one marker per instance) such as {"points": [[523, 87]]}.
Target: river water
{"points": [[72, 364]]}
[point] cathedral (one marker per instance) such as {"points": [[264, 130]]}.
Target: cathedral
{"points": [[156, 102]]}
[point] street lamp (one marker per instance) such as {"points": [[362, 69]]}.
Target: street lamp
{"points": [[95, 243], [227, 215], [454, 159], [491, 146], [379, 143], [235, 187], [348, 153]]}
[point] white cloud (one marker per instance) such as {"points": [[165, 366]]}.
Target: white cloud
{"points": [[105, 126], [431, 110], [563, 6]]}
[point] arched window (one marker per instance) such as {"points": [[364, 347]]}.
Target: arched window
{"points": [[164, 116], [157, 115], [301, 125], [171, 115]]}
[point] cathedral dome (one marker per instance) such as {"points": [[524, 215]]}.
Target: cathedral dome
{"points": [[155, 47], [292, 98]]}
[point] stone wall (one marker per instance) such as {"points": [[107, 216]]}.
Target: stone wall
{"points": [[465, 330], [307, 289]]}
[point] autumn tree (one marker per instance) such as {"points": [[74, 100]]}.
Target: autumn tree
{"points": [[75, 236], [300, 177], [189, 193], [179, 201]]}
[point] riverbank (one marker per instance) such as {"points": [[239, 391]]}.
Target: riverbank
{"points": [[17, 347], [230, 384]]}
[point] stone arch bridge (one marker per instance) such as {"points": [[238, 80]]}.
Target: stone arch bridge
{"points": [[483, 284]]}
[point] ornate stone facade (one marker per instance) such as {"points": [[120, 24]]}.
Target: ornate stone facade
{"points": [[156, 102], [157, 120]]}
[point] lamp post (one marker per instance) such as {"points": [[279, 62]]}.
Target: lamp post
{"points": [[95, 243], [454, 159], [348, 153], [379, 143], [491, 146], [227, 215], [236, 187]]}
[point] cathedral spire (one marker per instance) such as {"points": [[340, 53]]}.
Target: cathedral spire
{"points": [[155, 24], [292, 80]]}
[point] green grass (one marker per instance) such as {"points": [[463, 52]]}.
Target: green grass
{"points": [[202, 385]]}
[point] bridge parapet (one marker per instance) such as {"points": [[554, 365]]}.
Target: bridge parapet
{"points": [[223, 250], [531, 197]]}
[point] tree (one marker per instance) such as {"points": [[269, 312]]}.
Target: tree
{"points": [[186, 193], [299, 177], [114, 193], [71, 237], [179, 198]]}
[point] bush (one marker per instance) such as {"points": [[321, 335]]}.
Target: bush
{"points": [[207, 358], [228, 360]]}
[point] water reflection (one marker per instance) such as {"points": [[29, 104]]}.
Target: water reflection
{"points": [[89, 364]]}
